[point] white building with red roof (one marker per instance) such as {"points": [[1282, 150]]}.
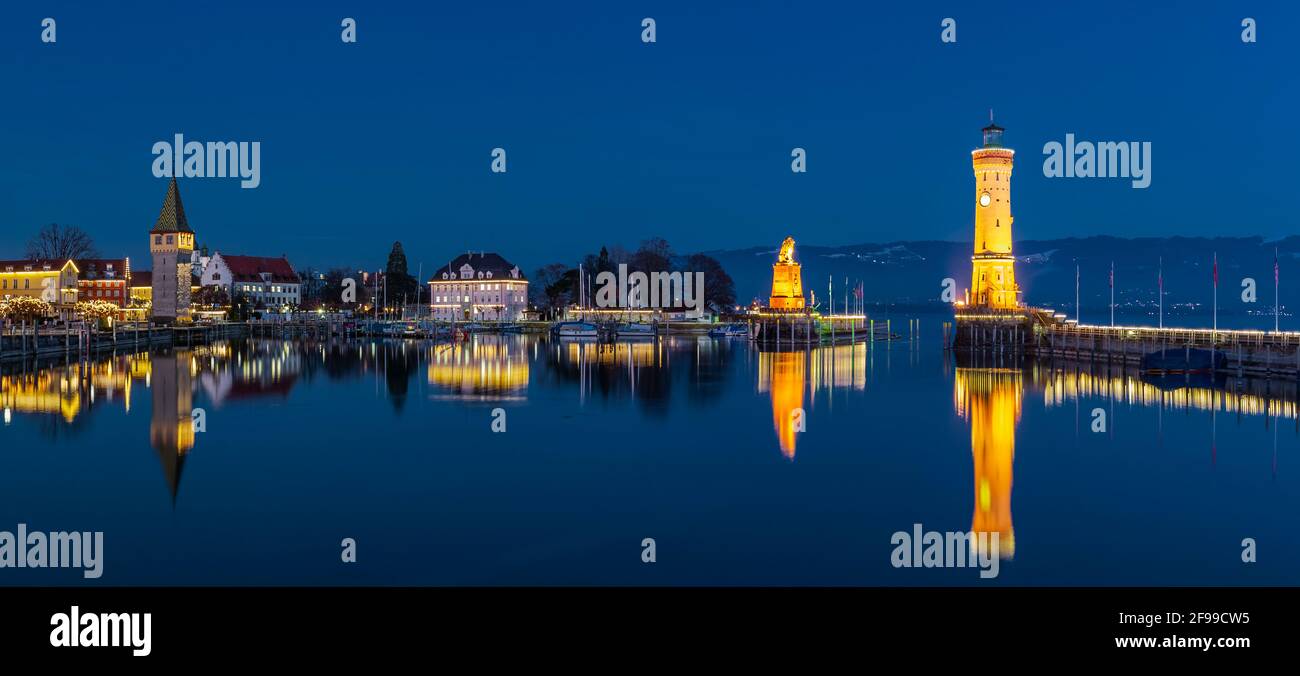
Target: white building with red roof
{"points": [[264, 281]]}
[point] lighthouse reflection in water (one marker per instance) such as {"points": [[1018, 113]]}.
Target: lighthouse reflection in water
{"points": [[989, 400], [756, 466]]}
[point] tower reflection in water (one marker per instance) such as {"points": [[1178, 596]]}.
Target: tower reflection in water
{"points": [[990, 400], [171, 425], [786, 376]]}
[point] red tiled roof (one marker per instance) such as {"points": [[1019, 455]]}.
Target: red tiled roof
{"points": [[98, 268], [250, 268]]}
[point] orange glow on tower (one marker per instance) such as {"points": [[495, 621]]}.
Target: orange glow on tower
{"points": [[993, 273], [787, 281]]}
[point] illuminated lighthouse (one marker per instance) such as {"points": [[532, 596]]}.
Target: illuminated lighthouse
{"points": [[993, 273]]}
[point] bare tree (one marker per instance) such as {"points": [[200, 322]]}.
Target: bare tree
{"points": [[61, 242]]}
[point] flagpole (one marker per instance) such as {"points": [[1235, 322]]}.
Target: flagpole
{"points": [[1078, 313]]}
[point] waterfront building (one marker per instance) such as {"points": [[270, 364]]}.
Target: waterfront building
{"points": [[53, 281], [993, 273], [140, 288], [787, 281], [264, 281], [104, 279], [171, 243], [312, 283], [478, 287], [199, 260]]}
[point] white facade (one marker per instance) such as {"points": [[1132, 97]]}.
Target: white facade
{"points": [[264, 281], [478, 288], [270, 293]]}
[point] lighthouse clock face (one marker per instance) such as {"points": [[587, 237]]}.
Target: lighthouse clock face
{"points": [[984, 199]]}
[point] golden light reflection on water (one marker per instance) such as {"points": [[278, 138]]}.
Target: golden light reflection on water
{"points": [[70, 390], [990, 401], [630, 353], [1060, 386], [66, 390], [783, 375], [786, 376], [797, 384], [480, 369]]}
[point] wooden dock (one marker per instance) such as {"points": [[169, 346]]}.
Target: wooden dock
{"points": [[802, 328], [27, 342]]}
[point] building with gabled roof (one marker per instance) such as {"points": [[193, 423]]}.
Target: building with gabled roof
{"points": [[269, 282], [478, 287], [53, 281], [106, 279]]}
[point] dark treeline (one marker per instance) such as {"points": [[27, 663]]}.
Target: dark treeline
{"points": [[555, 286]]}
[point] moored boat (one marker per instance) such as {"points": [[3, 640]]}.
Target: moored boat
{"points": [[633, 330], [730, 331], [575, 330]]}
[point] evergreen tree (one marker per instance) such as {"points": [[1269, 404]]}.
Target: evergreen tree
{"points": [[400, 283]]}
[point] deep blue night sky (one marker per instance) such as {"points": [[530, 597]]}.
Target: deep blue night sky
{"points": [[611, 141]]}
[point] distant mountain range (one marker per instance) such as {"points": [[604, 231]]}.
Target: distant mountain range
{"points": [[911, 273]]}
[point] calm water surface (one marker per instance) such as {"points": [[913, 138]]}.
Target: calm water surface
{"points": [[691, 441]]}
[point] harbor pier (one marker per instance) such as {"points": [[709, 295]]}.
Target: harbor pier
{"points": [[1044, 333], [22, 341]]}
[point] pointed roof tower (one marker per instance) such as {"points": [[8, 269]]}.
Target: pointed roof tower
{"points": [[172, 216]]}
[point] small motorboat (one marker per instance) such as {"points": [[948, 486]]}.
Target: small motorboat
{"points": [[575, 330], [730, 331], [635, 331]]}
